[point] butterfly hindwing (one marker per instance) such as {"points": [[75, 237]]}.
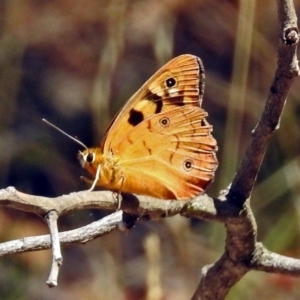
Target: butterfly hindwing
{"points": [[173, 144]]}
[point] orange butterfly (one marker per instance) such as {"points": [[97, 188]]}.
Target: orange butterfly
{"points": [[160, 143]]}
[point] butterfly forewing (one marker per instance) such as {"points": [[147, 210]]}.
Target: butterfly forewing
{"points": [[178, 83]]}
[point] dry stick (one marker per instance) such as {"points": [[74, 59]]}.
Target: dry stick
{"points": [[79, 235], [57, 259], [241, 245], [202, 207], [265, 260], [41, 206], [287, 70]]}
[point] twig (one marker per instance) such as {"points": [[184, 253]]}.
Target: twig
{"points": [[80, 235], [268, 261], [57, 259]]}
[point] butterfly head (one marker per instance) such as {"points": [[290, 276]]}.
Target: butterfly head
{"points": [[86, 157], [103, 167], [90, 158]]}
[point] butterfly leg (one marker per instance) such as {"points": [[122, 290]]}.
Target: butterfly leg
{"points": [[116, 195], [96, 179]]}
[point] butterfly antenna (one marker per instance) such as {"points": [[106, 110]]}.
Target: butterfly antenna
{"points": [[69, 136]]}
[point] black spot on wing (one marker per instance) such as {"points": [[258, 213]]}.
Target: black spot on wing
{"points": [[170, 82], [157, 100], [135, 117], [152, 96], [188, 165], [204, 123], [177, 100], [159, 105]]}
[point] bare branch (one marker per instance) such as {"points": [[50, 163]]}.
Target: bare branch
{"points": [[265, 260], [241, 231], [139, 205], [287, 70], [80, 235], [57, 259]]}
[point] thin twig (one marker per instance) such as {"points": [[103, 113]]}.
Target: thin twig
{"points": [[79, 235], [57, 259]]}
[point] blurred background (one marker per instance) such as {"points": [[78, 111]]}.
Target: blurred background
{"points": [[76, 63]]}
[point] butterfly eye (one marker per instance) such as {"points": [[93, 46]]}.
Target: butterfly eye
{"points": [[188, 164], [90, 158], [170, 82], [164, 122]]}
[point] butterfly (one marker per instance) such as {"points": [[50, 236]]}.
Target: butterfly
{"points": [[160, 143]]}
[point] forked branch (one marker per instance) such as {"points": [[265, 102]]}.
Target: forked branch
{"points": [[241, 245]]}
